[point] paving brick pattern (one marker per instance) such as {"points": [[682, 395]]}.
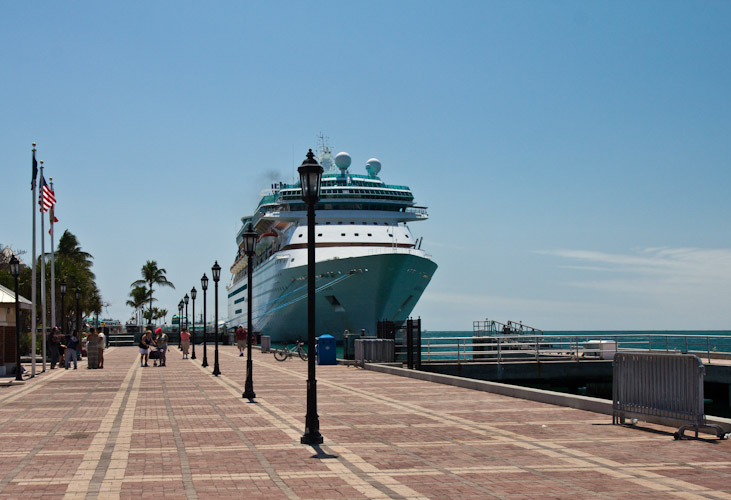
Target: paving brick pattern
{"points": [[179, 432]]}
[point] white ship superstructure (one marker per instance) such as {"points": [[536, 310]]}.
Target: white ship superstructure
{"points": [[369, 266]]}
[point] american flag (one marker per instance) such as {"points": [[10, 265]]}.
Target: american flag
{"points": [[46, 198]]}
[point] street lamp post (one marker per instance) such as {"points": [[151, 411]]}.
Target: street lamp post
{"points": [[193, 293], [216, 271], [180, 324], [63, 315], [186, 299], [77, 294], [250, 238], [310, 174], [15, 271], [204, 286]]}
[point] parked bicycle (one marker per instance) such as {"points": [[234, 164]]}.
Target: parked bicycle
{"points": [[283, 353]]}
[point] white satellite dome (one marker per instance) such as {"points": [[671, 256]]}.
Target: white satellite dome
{"points": [[342, 161], [373, 166]]}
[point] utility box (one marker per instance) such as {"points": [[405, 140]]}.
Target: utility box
{"points": [[266, 343], [326, 350], [602, 349]]}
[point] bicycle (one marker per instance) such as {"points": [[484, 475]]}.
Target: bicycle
{"points": [[283, 353]]}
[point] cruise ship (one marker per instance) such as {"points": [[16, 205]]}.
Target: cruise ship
{"points": [[369, 266]]}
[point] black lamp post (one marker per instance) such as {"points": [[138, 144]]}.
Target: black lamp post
{"points": [[193, 293], [15, 271], [77, 294], [250, 238], [204, 286], [310, 174], [216, 271], [186, 299], [180, 324], [63, 316]]}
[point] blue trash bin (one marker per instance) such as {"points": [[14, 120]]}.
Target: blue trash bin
{"points": [[326, 350]]}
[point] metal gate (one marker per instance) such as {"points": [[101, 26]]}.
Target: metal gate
{"points": [[661, 385]]}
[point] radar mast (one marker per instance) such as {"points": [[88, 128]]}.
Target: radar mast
{"points": [[325, 156]]}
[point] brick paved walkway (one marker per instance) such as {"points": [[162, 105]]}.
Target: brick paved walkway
{"points": [[179, 432]]}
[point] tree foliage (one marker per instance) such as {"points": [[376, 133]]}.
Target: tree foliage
{"points": [[152, 275], [73, 265]]}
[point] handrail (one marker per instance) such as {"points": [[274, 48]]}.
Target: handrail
{"points": [[541, 347]]}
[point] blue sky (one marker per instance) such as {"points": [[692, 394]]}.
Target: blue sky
{"points": [[574, 156]]}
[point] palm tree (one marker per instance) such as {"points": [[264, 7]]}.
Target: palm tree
{"points": [[152, 275], [138, 296], [161, 313], [74, 265]]}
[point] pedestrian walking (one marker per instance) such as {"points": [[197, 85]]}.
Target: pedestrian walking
{"points": [[162, 345], [92, 349], [72, 344], [54, 344], [240, 339], [102, 340], [145, 342], [185, 342]]}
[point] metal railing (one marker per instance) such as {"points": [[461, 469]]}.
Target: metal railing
{"points": [[374, 351], [492, 327], [667, 386], [505, 348]]}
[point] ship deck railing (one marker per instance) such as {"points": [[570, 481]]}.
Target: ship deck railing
{"points": [[502, 348]]}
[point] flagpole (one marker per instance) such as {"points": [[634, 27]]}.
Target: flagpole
{"points": [[43, 277], [34, 312], [53, 278]]}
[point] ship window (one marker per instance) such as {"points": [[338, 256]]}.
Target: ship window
{"points": [[352, 222], [342, 234], [357, 234], [390, 235], [340, 222], [327, 223], [407, 235], [300, 236], [320, 234], [369, 234]]}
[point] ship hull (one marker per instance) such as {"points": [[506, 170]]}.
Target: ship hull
{"points": [[352, 294]]}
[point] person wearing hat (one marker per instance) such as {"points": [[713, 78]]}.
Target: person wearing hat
{"points": [[240, 339], [145, 341], [161, 339]]}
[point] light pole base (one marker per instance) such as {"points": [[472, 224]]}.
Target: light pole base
{"points": [[248, 394], [205, 363], [216, 371], [311, 438]]}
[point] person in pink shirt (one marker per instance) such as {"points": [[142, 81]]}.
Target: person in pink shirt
{"points": [[185, 342], [241, 339]]}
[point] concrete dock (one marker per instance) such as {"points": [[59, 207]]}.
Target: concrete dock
{"points": [[179, 432]]}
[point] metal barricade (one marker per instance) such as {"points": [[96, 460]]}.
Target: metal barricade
{"points": [[374, 351], [661, 385]]}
